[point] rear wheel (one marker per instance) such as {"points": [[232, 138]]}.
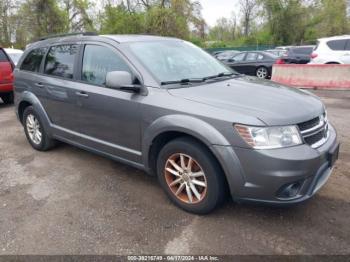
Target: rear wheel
{"points": [[7, 98], [35, 131], [190, 176], [262, 72]]}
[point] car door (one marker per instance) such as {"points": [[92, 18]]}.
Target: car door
{"points": [[346, 57], [6, 76], [338, 50], [237, 63], [55, 87], [250, 63], [109, 119]]}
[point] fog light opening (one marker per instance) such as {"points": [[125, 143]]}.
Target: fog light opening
{"points": [[289, 191]]}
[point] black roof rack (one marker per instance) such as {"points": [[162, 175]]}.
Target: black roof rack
{"points": [[67, 34]]}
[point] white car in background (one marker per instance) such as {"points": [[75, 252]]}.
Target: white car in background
{"points": [[332, 50], [14, 54]]}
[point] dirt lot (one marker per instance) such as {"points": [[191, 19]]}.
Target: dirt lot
{"points": [[68, 201]]}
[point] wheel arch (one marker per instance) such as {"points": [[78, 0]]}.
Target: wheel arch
{"points": [[29, 99], [171, 127], [21, 107]]}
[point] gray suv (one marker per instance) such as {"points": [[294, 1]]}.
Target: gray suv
{"points": [[167, 107]]}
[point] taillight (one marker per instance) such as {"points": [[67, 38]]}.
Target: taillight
{"points": [[279, 61], [313, 55]]}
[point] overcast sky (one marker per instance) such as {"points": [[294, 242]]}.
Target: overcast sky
{"points": [[214, 9]]}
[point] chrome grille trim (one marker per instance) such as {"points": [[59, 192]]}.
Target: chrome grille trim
{"points": [[321, 126], [321, 142]]}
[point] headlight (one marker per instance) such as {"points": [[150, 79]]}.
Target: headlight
{"points": [[269, 137]]}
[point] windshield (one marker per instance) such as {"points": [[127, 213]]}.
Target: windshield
{"points": [[176, 60]]}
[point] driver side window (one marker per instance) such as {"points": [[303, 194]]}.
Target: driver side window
{"points": [[98, 61]]}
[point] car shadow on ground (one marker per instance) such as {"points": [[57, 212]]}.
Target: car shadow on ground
{"points": [[3, 105]]}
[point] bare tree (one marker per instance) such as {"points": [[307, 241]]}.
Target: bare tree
{"points": [[249, 10]]}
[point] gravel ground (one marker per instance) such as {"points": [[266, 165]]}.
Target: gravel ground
{"points": [[69, 201]]}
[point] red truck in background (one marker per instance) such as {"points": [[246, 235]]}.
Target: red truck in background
{"points": [[6, 77]]}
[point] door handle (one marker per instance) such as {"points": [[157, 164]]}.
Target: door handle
{"points": [[40, 85], [82, 94]]}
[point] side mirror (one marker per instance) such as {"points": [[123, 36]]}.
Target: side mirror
{"points": [[231, 60], [121, 80]]}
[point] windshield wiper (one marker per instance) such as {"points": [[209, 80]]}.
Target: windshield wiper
{"points": [[198, 80], [183, 81], [220, 75]]}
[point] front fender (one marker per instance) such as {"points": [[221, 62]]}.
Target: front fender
{"points": [[202, 131]]}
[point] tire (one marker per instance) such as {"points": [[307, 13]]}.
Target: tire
{"points": [[32, 125], [262, 72], [208, 197], [7, 98]]}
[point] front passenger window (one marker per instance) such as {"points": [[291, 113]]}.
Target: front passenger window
{"points": [[98, 61]]}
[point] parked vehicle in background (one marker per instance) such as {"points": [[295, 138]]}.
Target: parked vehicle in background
{"points": [[216, 53], [297, 55], [167, 107], [332, 50], [14, 54], [226, 55], [6, 77], [255, 63], [286, 48], [276, 52]]}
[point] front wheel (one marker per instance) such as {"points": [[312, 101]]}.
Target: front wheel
{"points": [[35, 131], [262, 73], [190, 176]]}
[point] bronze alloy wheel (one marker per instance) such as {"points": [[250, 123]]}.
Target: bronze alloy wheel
{"points": [[185, 178]]}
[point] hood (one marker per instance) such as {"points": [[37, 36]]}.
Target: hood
{"points": [[270, 102]]}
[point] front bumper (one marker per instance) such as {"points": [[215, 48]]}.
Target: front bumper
{"points": [[264, 173]]}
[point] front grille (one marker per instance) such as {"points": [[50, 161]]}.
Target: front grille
{"points": [[315, 131], [309, 124], [314, 138]]}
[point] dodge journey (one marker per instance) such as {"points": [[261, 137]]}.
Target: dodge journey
{"points": [[169, 108]]}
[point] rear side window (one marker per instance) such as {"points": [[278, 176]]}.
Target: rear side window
{"points": [[347, 45], [337, 45], [60, 61], [251, 57], [33, 60], [3, 57], [98, 61], [303, 50]]}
